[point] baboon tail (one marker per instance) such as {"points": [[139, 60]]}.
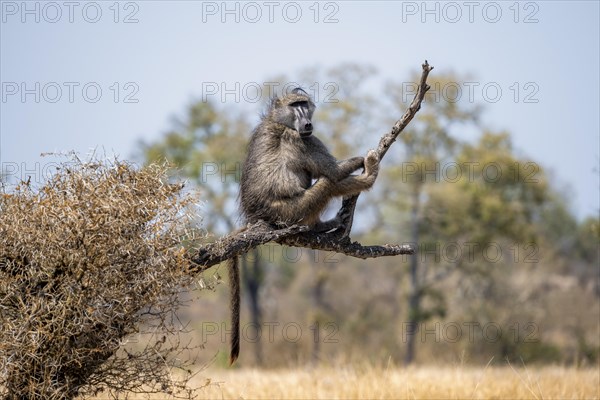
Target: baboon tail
{"points": [[234, 287]]}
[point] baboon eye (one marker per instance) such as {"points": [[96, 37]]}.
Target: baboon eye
{"points": [[301, 103]]}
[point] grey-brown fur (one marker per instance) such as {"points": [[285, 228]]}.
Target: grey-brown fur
{"points": [[283, 160], [234, 289], [281, 165]]}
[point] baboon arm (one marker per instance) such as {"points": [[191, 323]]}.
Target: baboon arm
{"points": [[306, 206]]}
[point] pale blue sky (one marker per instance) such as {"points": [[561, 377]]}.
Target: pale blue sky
{"points": [[175, 47]]}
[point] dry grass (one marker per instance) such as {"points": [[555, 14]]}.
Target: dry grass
{"points": [[459, 382]]}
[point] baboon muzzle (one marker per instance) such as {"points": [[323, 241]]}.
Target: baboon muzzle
{"points": [[307, 131]]}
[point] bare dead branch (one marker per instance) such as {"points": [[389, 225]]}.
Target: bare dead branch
{"points": [[343, 245], [387, 140], [349, 204], [240, 242]]}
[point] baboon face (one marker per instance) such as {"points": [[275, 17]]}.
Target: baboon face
{"points": [[302, 118], [295, 111]]}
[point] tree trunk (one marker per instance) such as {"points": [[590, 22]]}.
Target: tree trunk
{"points": [[414, 301], [412, 327], [319, 304]]}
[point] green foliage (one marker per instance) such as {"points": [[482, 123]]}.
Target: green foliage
{"points": [[496, 195], [207, 148], [534, 352], [588, 241]]}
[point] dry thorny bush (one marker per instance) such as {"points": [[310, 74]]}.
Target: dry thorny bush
{"points": [[88, 260]]}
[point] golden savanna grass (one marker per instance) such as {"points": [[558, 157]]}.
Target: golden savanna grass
{"points": [[459, 382], [410, 383]]}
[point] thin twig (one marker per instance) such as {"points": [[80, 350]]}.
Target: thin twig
{"points": [[349, 204]]}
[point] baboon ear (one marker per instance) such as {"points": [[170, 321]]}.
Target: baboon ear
{"points": [[299, 90]]}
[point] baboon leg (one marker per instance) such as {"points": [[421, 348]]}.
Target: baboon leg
{"points": [[306, 206]]}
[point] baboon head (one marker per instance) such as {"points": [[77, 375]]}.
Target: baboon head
{"points": [[294, 111]]}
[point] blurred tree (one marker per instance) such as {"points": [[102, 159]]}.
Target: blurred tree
{"points": [[495, 194], [483, 220], [343, 120], [208, 147], [427, 142], [459, 198], [588, 242]]}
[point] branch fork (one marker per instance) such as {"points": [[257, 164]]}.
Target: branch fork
{"points": [[338, 240]]}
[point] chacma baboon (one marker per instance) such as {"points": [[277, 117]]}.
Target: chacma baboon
{"points": [[283, 160]]}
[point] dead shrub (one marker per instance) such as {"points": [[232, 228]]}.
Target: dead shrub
{"points": [[89, 259]]}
